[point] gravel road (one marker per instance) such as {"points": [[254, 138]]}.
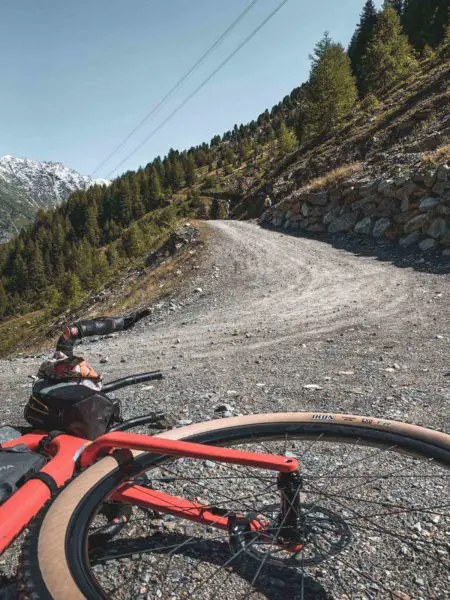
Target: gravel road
{"points": [[271, 322]]}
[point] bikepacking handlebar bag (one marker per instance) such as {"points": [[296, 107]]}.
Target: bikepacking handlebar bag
{"points": [[71, 406], [15, 464]]}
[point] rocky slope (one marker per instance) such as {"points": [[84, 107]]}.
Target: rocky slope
{"points": [[412, 210], [27, 185]]}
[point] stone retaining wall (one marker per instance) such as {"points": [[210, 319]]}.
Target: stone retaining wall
{"points": [[413, 210]]}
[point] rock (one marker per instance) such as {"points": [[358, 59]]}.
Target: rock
{"points": [[427, 244], [123, 360], [232, 393], [368, 189], [316, 228], [380, 227], [410, 239], [446, 253], [415, 223], [331, 215], [224, 408], [387, 188], [312, 386], [437, 229], [428, 203], [320, 199], [104, 360], [306, 209], [198, 290], [364, 226], [343, 223], [183, 422], [443, 173]]}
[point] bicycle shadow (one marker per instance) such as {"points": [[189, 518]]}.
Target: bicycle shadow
{"points": [[273, 582]]}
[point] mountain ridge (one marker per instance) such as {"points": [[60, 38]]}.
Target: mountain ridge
{"points": [[26, 185]]}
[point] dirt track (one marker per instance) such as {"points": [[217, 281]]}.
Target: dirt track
{"points": [[276, 313]]}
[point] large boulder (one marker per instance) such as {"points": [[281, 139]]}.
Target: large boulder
{"points": [[427, 244], [381, 226], [429, 202], [437, 229], [343, 223], [364, 227], [319, 199], [410, 239], [415, 223]]}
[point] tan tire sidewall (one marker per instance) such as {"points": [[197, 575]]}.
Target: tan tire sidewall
{"points": [[52, 535]]}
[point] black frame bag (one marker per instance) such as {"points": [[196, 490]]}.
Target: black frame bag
{"points": [[71, 407], [15, 464]]}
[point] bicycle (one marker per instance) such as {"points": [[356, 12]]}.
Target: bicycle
{"points": [[292, 505]]}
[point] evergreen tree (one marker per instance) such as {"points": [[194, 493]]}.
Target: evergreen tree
{"points": [[425, 22], [36, 273], [361, 38], [132, 241], [332, 90], [100, 269], [124, 204], [189, 170], [112, 257], [397, 5], [3, 301], [286, 139], [389, 56], [218, 209], [72, 292]]}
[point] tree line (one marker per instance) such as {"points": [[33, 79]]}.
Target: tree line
{"points": [[77, 246]]}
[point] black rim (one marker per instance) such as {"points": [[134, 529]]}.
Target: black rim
{"points": [[76, 540]]}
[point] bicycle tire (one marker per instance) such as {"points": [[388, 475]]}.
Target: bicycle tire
{"points": [[53, 566]]}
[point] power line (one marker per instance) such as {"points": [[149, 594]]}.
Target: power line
{"points": [[179, 83], [222, 64]]}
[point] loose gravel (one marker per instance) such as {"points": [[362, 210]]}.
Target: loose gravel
{"points": [[270, 322]]}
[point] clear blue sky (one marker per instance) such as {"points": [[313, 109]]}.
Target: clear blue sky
{"points": [[78, 75]]}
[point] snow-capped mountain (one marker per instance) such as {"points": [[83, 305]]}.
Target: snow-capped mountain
{"points": [[27, 185]]}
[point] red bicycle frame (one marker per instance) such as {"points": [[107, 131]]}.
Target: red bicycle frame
{"points": [[69, 453]]}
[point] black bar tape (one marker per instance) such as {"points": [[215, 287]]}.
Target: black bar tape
{"points": [[45, 478], [100, 326]]}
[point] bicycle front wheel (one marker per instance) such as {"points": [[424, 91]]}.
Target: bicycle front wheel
{"points": [[373, 506]]}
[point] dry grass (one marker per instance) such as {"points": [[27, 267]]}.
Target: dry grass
{"points": [[332, 178], [436, 156]]}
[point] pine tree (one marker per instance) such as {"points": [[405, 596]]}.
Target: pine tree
{"points": [[389, 56], [36, 273], [124, 204], [112, 257], [286, 139], [19, 279], [189, 170], [397, 5], [218, 209], [72, 292], [3, 301], [425, 22], [132, 241], [361, 38], [331, 90], [100, 269]]}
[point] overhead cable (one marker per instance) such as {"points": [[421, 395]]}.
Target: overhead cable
{"points": [[197, 89], [177, 86]]}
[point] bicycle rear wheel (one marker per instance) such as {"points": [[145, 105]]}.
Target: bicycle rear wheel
{"points": [[374, 503]]}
